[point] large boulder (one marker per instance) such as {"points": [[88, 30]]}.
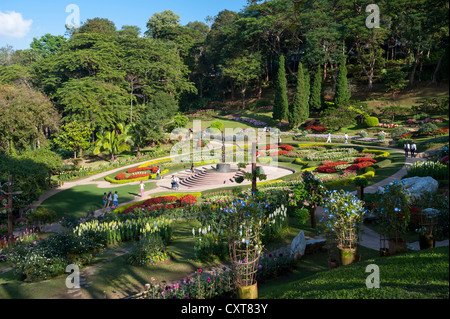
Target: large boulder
{"points": [[420, 185], [417, 186], [298, 246]]}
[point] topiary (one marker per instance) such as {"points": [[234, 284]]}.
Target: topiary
{"points": [[371, 121]]}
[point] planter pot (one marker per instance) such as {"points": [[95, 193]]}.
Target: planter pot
{"points": [[248, 292], [347, 256], [333, 263], [426, 242], [396, 246]]}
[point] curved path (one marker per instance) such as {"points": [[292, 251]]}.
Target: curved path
{"points": [[369, 238]]}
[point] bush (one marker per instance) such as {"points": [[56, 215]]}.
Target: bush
{"points": [[300, 162], [436, 170], [150, 250], [42, 216], [371, 121]]}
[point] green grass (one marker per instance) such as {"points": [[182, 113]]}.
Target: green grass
{"points": [[415, 275], [79, 200]]}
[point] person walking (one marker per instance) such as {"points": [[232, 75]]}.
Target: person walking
{"points": [[407, 148], [346, 138], [413, 149], [192, 167], [105, 201], [329, 138], [110, 198], [172, 181], [115, 200], [158, 172], [177, 185], [141, 185]]}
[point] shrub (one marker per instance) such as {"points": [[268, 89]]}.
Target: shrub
{"points": [[300, 162], [371, 121], [42, 216], [436, 170], [149, 250]]}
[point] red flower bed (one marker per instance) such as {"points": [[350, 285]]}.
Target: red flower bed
{"points": [[121, 176], [268, 147], [142, 169], [358, 166], [330, 167], [278, 153], [316, 128], [188, 199], [287, 147], [138, 176], [364, 159]]}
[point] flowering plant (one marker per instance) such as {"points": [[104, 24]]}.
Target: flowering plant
{"points": [[394, 210], [345, 213]]}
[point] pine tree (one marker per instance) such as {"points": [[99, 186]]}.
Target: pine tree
{"points": [[316, 90], [297, 111], [280, 105], [342, 95], [307, 92]]}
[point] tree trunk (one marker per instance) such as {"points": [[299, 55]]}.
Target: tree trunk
{"points": [[436, 70], [139, 153], [74, 154], [313, 216]]}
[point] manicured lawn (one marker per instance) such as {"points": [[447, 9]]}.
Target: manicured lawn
{"points": [[415, 275], [79, 200]]}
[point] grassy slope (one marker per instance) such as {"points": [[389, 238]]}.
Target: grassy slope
{"points": [[422, 274]]}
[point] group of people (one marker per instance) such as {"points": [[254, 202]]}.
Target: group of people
{"points": [[110, 199], [175, 181], [410, 148], [345, 136]]}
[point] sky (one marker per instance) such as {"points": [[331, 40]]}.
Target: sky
{"points": [[23, 20]]}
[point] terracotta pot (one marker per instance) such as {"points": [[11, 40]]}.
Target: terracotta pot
{"points": [[396, 246], [347, 256], [333, 263], [426, 242], [248, 292]]}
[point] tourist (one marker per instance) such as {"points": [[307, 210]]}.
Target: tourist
{"points": [[192, 168], [142, 188], [177, 185], [105, 201], [413, 149], [116, 200], [109, 199], [172, 181], [407, 148], [346, 138], [158, 172], [329, 138]]}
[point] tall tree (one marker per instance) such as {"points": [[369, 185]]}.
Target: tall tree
{"points": [[316, 90], [74, 137], [280, 104], [158, 24], [297, 109], [342, 95]]}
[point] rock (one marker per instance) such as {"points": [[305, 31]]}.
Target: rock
{"points": [[417, 186], [298, 246], [420, 185]]}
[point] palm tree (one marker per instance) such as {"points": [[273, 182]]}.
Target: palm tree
{"points": [[114, 142]]}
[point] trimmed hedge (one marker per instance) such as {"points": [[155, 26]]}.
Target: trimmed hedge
{"points": [[113, 181], [298, 161], [383, 163], [369, 173], [371, 121], [160, 161], [379, 153]]}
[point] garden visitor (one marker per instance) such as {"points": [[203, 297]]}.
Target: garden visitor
{"points": [[116, 200], [142, 188], [177, 185], [158, 172], [346, 138], [109, 199], [172, 181], [407, 148], [329, 138], [192, 168], [279, 140], [413, 149], [105, 201]]}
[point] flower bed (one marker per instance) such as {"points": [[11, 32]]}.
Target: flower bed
{"points": [[251, 121]]}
